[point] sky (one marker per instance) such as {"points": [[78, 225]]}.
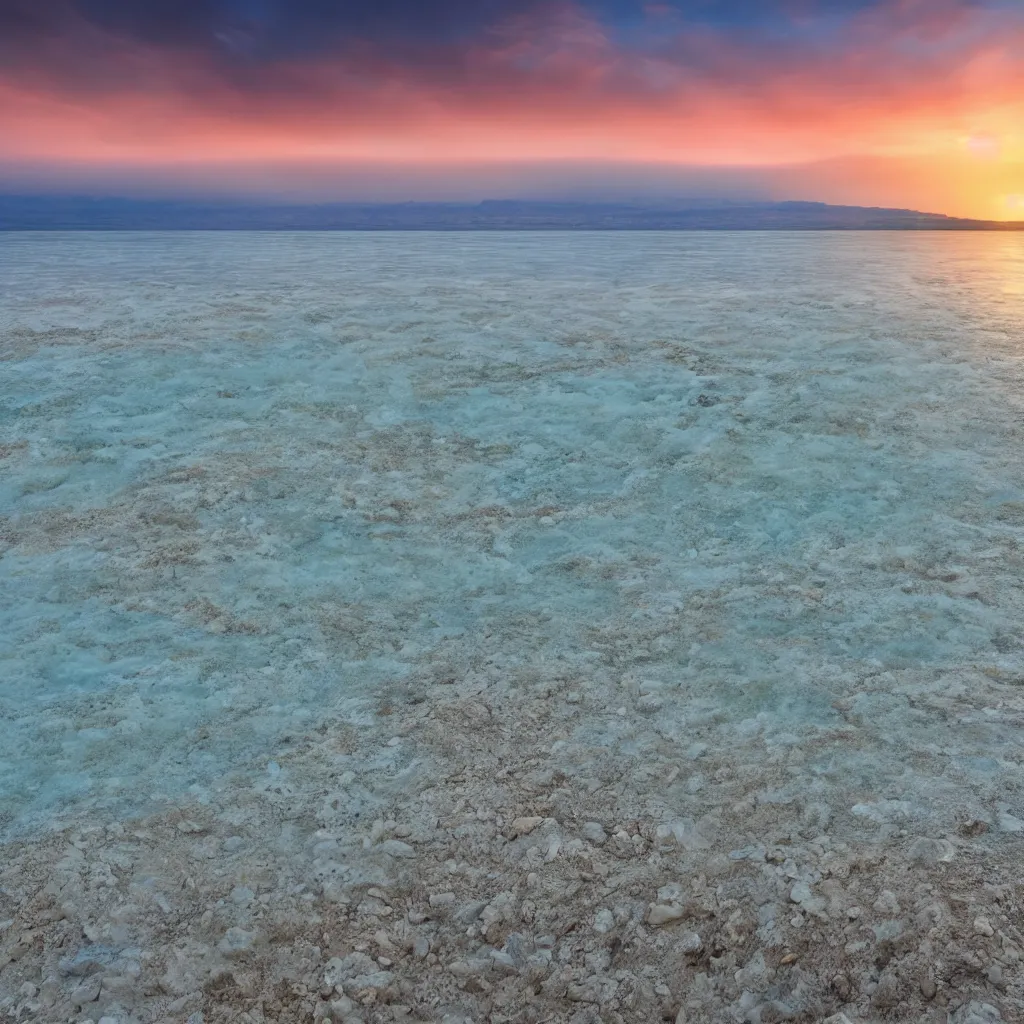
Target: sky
{"points": [[908, 103]]}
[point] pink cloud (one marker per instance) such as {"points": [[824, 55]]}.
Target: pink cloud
{"points": [[908, 80]]}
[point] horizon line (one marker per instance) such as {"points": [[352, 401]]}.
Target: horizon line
{"points": [[22, 211]]}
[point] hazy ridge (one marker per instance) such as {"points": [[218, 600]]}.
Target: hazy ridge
{"points": [[46, 213]]}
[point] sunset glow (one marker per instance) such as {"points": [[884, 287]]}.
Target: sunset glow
{"points": [[904, 102]]}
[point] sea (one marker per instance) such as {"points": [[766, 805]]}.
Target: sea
{"points": [[250, 479]]}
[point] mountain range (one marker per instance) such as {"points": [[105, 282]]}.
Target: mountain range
{"points": [[76, 213]]}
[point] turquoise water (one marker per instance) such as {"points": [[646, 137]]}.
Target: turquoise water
{"points": [[252, 480]]}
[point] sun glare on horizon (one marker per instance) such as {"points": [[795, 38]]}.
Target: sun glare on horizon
{"points": [[901, 103]]}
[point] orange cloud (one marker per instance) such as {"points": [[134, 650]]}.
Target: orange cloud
{"points": [[931, 94]]}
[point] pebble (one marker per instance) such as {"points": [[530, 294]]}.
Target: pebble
{"points": [[87, 991], [664, 837], [1010, 823], [396, 848], [604, 921], [747, 853], [886, 903], [442, 899], [983, 927], [888, 992], [671, 893], [504, 962], [242, 895], [341, 1008], [375, 979], [800, 893], [808, 902], [524, 826], [976, 1012], [334, 974], [659, 914], [471, 911], [236, 942], [87, 960], [931, 851], [594, 833]]}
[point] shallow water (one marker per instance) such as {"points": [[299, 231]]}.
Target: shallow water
{"points": [[249, 481]]}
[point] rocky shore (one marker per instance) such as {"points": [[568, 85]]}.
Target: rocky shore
{"points": [[475, 856], [512, 630]]}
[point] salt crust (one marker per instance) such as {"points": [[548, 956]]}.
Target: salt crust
{"points": [[511, 627]]}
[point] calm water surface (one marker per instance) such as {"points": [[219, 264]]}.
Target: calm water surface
{"points": [[247, 480]]}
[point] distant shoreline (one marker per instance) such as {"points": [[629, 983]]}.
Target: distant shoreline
{"points": [[56, 230], [73, 213]]}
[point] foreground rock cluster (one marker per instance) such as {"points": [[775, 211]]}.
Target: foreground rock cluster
{"points": [[488, 865]]}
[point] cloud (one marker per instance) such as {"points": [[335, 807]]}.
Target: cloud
{"points": [[263, 29], [269, 30], [321, 84]]}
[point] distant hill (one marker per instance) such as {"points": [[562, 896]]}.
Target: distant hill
{"points": [[52, 213]]}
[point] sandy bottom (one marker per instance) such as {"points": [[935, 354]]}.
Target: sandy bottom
{"points": [[511, 628]]}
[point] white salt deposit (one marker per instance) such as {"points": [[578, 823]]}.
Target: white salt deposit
{"points": [[336, 558]]}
